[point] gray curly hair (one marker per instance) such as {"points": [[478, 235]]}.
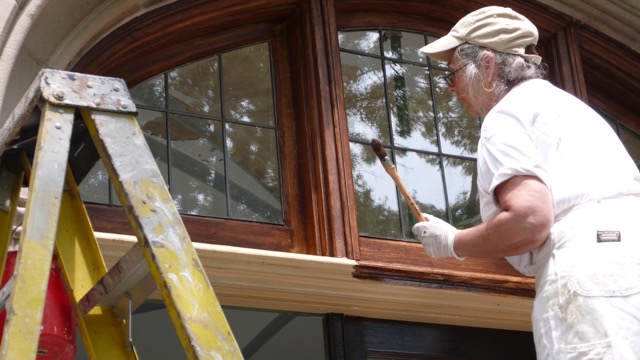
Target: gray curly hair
{"points": [[511, 69]]}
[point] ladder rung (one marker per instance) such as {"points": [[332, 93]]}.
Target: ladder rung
{"points": [[128, 278]]}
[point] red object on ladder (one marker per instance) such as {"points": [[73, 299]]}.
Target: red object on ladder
{"points": [[58, 330]]}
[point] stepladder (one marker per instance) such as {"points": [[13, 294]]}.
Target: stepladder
{"points": [[61, 112]]}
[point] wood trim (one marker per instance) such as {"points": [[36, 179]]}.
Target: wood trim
{"points": [[319, 151], [181, 32], [317, 284], [406, 262], [612, 75], [289, 160], [340, 130], [567, 63], [436, 17], [112, 219]]}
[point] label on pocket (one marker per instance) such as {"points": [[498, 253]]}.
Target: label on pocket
{"points": [[609, 236]]}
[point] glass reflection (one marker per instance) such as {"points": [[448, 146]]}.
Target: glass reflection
{"points": [[150, 92], [421, 175], [360, 41], [376, 197], [409, 96], [403, 45], [411, 108], [195, 88], [459, 133], [95, 185], [213, 165], [462, 190], [197, 166], [364, 98], [248, 94], [254, 176]]}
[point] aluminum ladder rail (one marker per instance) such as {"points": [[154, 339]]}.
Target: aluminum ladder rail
{"points": [[56, 222]]}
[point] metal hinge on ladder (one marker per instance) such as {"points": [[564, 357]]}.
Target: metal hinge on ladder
{"points": [[55, 217]]}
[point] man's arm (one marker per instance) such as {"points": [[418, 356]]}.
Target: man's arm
{"points": [[523, 223]]}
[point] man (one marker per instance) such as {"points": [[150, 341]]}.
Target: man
{"points": [[559, 194]]}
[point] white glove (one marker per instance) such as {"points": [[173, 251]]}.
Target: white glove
{"points": [[436, 236]]}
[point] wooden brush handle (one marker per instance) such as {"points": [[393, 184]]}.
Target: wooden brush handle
{"points": [[390, 168]]}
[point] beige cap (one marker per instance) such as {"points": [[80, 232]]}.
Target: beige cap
{"points": [[493, 27]]}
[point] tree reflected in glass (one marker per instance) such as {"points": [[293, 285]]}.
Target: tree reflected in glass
{"points": [[211, 126], [393, 94]]}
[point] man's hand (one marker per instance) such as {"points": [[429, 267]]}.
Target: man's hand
{"points": [[437, 237]]}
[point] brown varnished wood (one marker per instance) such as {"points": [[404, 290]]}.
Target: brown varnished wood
{"points": [[112, 219], [436, 17], [292, 207], [611, 75], [567, 62], [350, 248], [181, 32], [393, 258]]}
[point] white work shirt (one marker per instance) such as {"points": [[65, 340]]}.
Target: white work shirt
{"points": [[586, 288], [539, 130]]}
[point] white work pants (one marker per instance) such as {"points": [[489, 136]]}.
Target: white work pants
{"points": [[587, 302]]}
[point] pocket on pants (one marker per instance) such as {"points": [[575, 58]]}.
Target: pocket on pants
{"points": [[589, 305]]}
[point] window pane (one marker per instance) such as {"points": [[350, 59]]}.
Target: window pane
{"points": [[364, 98], [94, 187], [403, 45], [254, 176], [459, 133], [150, 92], [409, 97], [462, 190], [376, 197], [361, 41], [195, 88], [154, 128], [422, 176], [248, 94], [197, 166], [218, 167], [430, 134]]}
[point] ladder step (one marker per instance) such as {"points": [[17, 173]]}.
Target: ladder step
{"points": [[128, 279]]}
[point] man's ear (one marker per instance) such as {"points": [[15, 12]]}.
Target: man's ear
{"points": [[488, 63]]}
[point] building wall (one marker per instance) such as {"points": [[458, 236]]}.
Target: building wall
{"points": [[53, 34]]}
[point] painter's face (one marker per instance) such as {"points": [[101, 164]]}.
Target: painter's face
{"points": [[462, 88]]}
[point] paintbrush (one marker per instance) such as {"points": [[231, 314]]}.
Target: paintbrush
{"points": [[390, 168]]}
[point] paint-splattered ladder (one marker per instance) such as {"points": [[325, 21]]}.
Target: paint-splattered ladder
{"points": [[55, 219]]}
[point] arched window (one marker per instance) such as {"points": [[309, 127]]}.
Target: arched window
{"points": [[221, 158]]}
